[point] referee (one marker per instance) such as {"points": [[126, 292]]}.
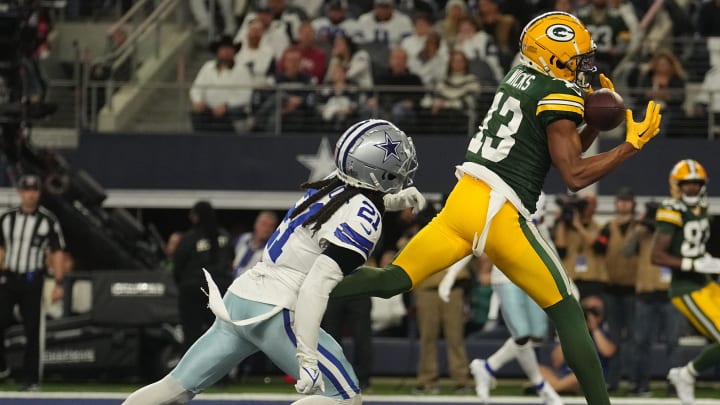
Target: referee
{"points": [[29, 235]]}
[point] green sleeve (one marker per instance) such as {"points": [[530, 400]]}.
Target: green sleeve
{"points": [[373, 281]]}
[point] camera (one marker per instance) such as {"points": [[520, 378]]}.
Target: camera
{"points": [[648, 218], [569, 205], [593, 311]]}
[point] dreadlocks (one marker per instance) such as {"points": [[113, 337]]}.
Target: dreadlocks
{"points": [[325, 187]]}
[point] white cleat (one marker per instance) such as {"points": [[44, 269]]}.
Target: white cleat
{"points": [[684, 384], [548, 394], [484, 381]]}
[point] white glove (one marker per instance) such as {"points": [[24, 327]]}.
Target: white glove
{"points": [[310, 380], [706, 264], [445, 287], [406, 198]]}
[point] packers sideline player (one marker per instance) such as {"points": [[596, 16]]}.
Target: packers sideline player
{"points": [[681, 233], [534, 122]]}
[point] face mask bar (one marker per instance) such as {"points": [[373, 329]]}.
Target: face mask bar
{"points": [[585, 69]]}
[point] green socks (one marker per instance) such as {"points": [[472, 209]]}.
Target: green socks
{"points": [[579, 349], [709, 357]]}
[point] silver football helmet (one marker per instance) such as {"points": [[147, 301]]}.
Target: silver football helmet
{"points": [[377, 155]]}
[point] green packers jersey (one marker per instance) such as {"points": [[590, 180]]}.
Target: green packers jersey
{"points": [[690, 234], [606, 31], [512, 141]]}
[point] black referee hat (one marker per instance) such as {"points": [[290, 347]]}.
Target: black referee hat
{"points": [[29, 182]]}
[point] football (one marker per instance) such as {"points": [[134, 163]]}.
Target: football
{"points": [[604, 109]]}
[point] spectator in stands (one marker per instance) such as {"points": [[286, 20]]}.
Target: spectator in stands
{"points": [[663, 80], [356, 61], [249, 246], [384, 24], [707, 101], [558, 374], [296, 100], [277, 16], [102, 70], [455, 11], [708, 17], [430, 64], [402, 106], [311, 8], [313, 59], [453, 100], [480, 49], [206, 245], [504, 28], [221, 93], [340, 100], [415, 43], [655, 318], [276, 35], [610, 31], [620, 287], [336, 21], [258, 58], [199, 9], [575, 234]]}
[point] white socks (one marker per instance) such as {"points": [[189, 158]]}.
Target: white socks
{"points": [[528, 362], [507, 352]]}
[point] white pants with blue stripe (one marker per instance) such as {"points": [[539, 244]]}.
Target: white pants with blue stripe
{"points": [[523, 317], [224, 345]]}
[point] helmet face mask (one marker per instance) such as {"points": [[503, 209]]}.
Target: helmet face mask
{"points": [[560, 46], [375, 154], [688, 171]]}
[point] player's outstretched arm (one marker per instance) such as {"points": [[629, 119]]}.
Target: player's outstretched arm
{"points": [[578, 172], [384, 283]]}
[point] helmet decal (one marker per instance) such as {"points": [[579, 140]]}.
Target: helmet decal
{"points": [[389, 147], [560, 32]]}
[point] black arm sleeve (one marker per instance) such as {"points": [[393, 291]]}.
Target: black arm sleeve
{"points": [[347, 259]]}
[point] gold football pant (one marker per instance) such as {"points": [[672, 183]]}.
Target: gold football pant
{"points": [[513, 244], [702, 308]]}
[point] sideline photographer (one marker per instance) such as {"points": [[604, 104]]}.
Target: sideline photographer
{"points": [[574, 235], [558, 374], [655, 317]]}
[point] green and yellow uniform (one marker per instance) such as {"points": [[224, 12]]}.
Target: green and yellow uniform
{"points": [[696, 295]]}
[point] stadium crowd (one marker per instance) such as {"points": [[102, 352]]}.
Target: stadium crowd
{"points": [[431, 66]]}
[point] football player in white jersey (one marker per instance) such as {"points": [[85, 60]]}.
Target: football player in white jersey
{"points": [[276, 306]]}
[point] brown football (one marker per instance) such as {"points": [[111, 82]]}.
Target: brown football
{"points": [[604, 109]]}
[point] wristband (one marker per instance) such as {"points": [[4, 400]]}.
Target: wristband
{"points": [[687, 264]]}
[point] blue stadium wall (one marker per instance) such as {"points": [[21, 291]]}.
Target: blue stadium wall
{"points": [[273, 163]]}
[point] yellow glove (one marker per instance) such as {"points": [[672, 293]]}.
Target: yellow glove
{"points": [[639, 133], [604, 82]]}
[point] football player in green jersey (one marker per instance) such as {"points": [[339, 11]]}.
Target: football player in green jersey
{"points": [[535, 121], [681, 233]]}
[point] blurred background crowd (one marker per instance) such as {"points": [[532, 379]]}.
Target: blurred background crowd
{"points": [[279, 66]]}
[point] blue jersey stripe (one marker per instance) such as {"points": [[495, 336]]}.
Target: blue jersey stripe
{"points": [[326, 372], [349, 236]]}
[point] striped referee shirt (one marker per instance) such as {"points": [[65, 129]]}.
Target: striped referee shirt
{"points": [[26, 238]]}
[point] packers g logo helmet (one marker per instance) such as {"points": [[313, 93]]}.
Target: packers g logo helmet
{"points": [[688, 170], [559, 45]]}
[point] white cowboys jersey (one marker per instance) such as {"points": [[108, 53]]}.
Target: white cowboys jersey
{"points": [[292, 249], [389, 32]]}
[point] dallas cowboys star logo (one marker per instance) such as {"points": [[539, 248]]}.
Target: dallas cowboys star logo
{"points": [[320, 164], [389, 147]]}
